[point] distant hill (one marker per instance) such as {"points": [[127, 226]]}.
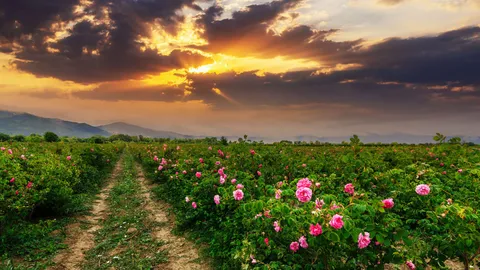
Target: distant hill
{"points": [[385, 138], [23, 123], [132, 130]]}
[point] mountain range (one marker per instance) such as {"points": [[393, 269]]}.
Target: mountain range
{"points": [[13, 123]]}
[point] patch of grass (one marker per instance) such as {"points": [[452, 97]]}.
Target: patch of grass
{"points": [[125, 240]]}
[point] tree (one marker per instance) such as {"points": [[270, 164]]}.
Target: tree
{"points": [[439, 138], [355, 140], [455, 140], [4, 137], [19, 138], [51, 137], [223, 140]]}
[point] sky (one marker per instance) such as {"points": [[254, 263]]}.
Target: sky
{"points": [[259, 67]]}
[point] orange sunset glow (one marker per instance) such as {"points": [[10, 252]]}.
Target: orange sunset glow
{"points": [[332, 67]]}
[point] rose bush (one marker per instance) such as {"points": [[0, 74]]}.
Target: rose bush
{"points": [[365, 210]]}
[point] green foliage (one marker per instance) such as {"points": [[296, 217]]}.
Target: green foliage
{"points": [[40, 184], [4, 137], [427, 230], [51, 137]]}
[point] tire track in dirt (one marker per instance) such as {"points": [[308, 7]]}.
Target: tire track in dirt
{"points": [[182, 254], [81, 240]]}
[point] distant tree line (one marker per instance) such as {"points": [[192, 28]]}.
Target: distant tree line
{"points": [[354, 140]]}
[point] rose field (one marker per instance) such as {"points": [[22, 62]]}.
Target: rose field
{"points": [[327, 207], [246, 205]]}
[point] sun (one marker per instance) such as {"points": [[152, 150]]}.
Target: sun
{"points": [[201, 69]]}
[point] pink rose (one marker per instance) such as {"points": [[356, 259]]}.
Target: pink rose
{"points": [[201, 160], [160, 167], [209, 148], [349, 188], [155, 158], [334, 206], [276, 226], [217, 163], [12, 180], [278, 194], [388, 203], [184, 172], [187, 199], [316, 229], [304, 165], [198, 174], [449, 201], [336, 221], [304, 194], [319, 203], [422, 189], [2, 148], [294, 246], [259, 173], [253, 259], [303, 242], [238, 194], [194, 205], [29, 185], [305, 182], [10, 151], [363, 240], [252, 152], [239, 186], [222, 180], [216, 199], [266, 241], [234, 181], [410, 265], [69, 158]]}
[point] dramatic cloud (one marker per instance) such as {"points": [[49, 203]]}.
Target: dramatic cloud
{"points": [[248, 33], [449, 58], [105, 49]]}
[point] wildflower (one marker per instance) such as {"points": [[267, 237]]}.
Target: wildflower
{"points": [[294, 246], [303, 242], [216, 199]]}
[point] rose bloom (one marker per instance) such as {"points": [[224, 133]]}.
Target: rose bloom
{"points": [[422, 189], [194, 205], [216, 199], [305, 182], [303, 242], [238, 194], [198, 174], [316, 229], [336, 221], [294, 246], [304, 194], [410, 265], [363, 240], [349, 188], [388, 203]]}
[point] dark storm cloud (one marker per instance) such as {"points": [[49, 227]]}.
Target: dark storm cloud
{"points": [[19, 17], [449, 58], [95, 52], [247, 34]]}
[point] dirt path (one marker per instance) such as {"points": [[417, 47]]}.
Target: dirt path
{"points": [[80, 240], [182, 254]]}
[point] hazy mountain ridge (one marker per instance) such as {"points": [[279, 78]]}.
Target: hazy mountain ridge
{"points": [[133, 130], [14, 123]]}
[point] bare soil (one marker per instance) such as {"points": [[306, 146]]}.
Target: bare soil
{"points": [[81, 240], [182, 253]]}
